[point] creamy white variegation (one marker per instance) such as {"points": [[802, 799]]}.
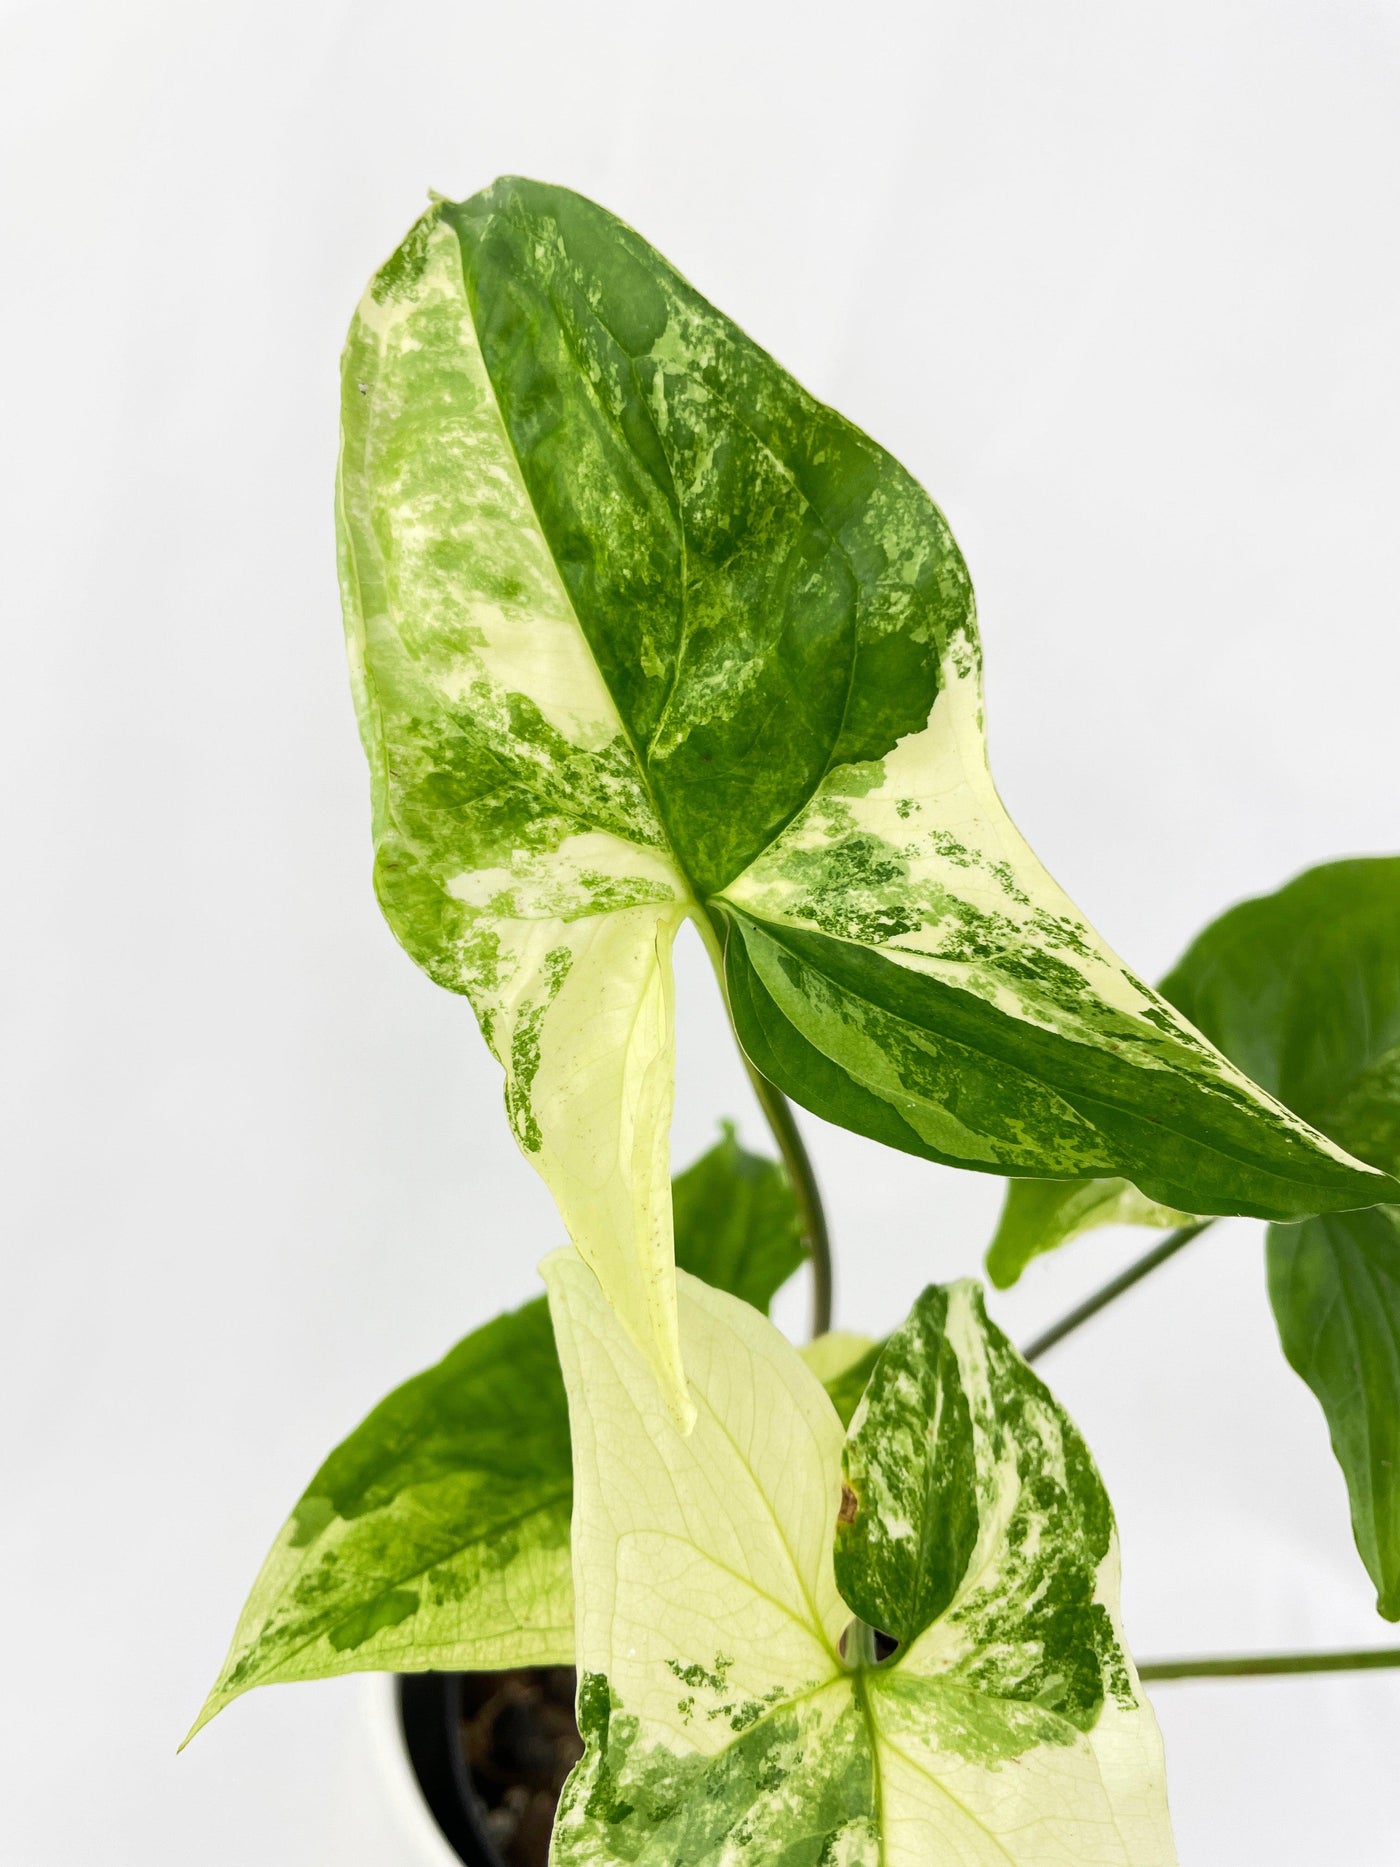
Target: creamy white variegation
{"points": [[982, 912], [723, 1726], [640, 630], [569, 902]]}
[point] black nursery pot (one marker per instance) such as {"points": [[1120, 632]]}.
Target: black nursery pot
{"points": [[490, 1752]]}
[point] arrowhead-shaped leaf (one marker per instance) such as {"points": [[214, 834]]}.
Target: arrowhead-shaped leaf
{"points": [[723, 1725], [639, 629], [437, 1535]]}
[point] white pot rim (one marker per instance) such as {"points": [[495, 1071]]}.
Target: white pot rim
{"points": [[425, 1844]]}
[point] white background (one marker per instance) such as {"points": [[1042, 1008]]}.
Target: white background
{"points": [[1120, 284]]}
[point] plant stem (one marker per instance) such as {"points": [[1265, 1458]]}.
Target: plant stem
{"points": [[1124, 1281], [778, 1111], [1259, 1665], [858, 1645]]}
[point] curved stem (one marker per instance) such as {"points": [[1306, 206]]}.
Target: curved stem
{"points": [[778, 1111], [1124, 1281], [1262, 1665]]}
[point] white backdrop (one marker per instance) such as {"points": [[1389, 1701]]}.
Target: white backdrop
{"points": [[1120, 284]]}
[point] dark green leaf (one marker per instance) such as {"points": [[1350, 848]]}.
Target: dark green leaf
{"points": [[1335, 1286], [737, 1223], [1302, 989]]}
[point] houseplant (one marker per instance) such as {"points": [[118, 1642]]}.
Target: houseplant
{"points": [[641, 633]]}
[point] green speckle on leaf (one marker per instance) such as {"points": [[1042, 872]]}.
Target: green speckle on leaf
{"points": [[388, 1611], [984, 1537]]}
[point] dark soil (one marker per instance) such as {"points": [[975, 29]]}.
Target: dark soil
{"points": [[520, 1741]]}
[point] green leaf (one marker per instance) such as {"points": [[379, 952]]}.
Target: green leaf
{"points": [[1335, 1286], [1040, 1215], [737, 1223], [437, 1535], [721, 1722], [639, 629], [843, 1363], [1301, 988]]}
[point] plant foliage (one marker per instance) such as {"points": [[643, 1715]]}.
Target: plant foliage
{"points": [[1302, 989], [732, 1712], [640, 631]]}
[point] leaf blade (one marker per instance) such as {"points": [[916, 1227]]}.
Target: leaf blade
{"points": [[518, 857], [639, 629], [1301, 988], [693, 1753], [1334, 1284], [912, 1060], [1040, 1215], [436, 1536]]}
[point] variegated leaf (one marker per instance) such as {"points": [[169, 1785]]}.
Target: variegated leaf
{"points": [[729, 1714], [639, 629], [1302, 989], [437, 1535]]}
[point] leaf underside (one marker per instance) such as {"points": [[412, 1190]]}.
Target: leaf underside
{"points": [[722, 1724], [1041, 1215], [639, 630]]}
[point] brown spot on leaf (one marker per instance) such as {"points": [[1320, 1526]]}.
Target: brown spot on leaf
{"points": [[850, 1504]]}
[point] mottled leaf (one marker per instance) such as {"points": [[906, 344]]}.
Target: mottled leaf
{"points": [[639, 629], [1301, 988], [437, 1535], [723, 1726], [1335, 1286]]}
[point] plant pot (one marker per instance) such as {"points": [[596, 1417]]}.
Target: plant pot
{"points": [[490, 1752]]}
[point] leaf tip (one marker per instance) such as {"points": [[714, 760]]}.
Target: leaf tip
{"points": [[210, 1709]]}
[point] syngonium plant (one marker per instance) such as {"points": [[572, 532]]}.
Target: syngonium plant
{"points": [[641, 633]]}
